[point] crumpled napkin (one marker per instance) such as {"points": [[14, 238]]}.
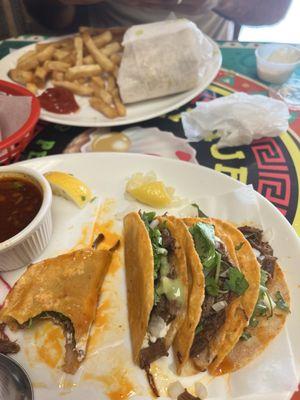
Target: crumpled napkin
{"points": [[239, 117], [14, 112]]}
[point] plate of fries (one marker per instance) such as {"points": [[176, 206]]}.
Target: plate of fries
{"points": [[87, 64]]}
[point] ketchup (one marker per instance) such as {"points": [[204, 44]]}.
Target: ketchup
{"points": [[58, 100]]}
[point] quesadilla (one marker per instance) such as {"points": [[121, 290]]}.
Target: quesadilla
{"points": [[271, 309], [64, 289], [215, 321], [156, 284]]}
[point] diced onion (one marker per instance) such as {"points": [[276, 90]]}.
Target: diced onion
{"points": [[219, 306], [157, 327], [200, 390], [257, 253], [224, 274], [154, 223], [175, 389]]}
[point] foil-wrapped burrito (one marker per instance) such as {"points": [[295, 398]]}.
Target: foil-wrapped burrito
{"points": [[162, 58]]}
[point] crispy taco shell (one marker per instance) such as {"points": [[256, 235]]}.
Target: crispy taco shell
{"points": [[238, 311], [266, 330], [140, 279], [68, 284]]}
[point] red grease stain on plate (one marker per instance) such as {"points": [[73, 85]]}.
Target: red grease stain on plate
{"points": [[117, 385], [49, 340], [110, 238], [100, 324], [182, 155]]}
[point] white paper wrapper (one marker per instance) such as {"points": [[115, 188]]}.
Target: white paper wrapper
{"points": [[14, 112], [240, 118], [162, 58]]}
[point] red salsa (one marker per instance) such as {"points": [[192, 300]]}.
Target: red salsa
{"points": [[20, 201], [58, 100]]}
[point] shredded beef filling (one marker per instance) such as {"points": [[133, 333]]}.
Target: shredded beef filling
{"points": [[266, 259], [187, 396], [153, 352], [211, 320], [166, 309], [210, 326], [6, 345], [168, 241]]}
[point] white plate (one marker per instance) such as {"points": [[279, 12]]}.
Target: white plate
{"points": [[109, 364], [137, 112]]}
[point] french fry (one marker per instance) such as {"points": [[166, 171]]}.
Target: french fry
{"points": [[98, 81], [70, 59], [111, 83], [60, 55], [81, 90], [32, 87], [103, 39], [99, 105], [88, 60], [86, 64], [46, 54], [105, 96], [78, 44], [100, 58], [111, 48], [57, 66], [121, 109], [26, 55], [57, 75], [40, 75], [116, 58], [28, 63], [20, 76], [83, 71]]}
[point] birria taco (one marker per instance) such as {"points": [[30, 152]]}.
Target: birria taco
{"points": [[216, 317], [156, 277], [64, 289], [271, 309]]}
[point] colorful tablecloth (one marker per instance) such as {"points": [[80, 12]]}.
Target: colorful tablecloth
{"points": [[271, 165]]}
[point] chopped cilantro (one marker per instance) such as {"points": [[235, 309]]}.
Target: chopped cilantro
{"points": [[211, 286], [264, 276], [83, 198], [239, 246], [246, 336], [218, 266], [200, 213], [204, 239], [199, 328], [280, 302], [236, 282], [147, 217]]}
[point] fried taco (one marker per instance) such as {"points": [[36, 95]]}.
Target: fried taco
{"points": [[156, 278], [271, 309], [64, 289], [216, 317]]}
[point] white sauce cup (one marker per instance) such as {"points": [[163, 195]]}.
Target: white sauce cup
{"points": [[23, 248], [287, 59]]}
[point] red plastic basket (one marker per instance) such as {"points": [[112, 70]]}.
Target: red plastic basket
{"points": [[12, 147]]}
